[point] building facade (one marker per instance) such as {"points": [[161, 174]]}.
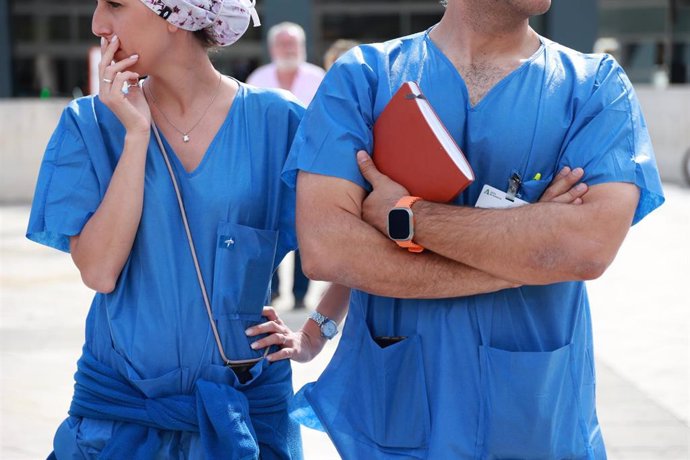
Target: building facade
{"points": [[44, 44]]}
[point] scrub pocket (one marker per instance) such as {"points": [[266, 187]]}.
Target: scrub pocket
{"points": [[376, 395], [531, 408], [241, 279], [242, 271], [532, 190]]}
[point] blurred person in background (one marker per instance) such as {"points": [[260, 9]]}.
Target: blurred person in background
{"points": [[289, 70], [167, 370], [337, 49]]}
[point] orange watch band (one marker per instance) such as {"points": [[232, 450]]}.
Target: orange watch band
{"points": [[407, 202]]}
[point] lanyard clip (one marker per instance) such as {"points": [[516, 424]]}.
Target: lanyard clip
{"points": [[514, 184]]}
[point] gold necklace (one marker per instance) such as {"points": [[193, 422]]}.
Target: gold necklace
{"points": [[185, 135]]}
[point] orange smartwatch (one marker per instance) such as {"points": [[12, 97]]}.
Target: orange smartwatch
{"points": [[401, 224]]}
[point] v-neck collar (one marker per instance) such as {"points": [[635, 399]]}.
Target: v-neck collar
{"points": [[495, 88], [205, 159]]}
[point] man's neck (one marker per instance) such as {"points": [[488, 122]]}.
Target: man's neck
{"points": [[472, 33]]}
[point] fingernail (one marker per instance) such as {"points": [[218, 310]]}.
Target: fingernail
{"points": [[254, 346], [134, 56], [580, 187], [564, 171], [249, 331], [578, 171], [362, 157], [114, 39], [103, 41]]}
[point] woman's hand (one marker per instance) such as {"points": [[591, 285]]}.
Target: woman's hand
{"points": [[131, 107], [300, 346]]}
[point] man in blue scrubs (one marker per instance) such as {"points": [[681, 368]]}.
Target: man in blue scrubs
{"points": [[491, 354]]}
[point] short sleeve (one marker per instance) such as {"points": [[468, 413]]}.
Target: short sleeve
{"points": [[338, 122], [67, 192], [287, 236], [609, 139]]}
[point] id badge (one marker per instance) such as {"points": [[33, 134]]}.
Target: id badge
{"points": [[493, 198]]}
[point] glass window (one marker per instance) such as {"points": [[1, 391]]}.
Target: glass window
{"points": [[23, 27], [59, 28], [24, 81], [84, 29], [71, 76], [372, 27], [637, 21]]}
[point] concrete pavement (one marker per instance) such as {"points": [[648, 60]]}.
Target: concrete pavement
{"points": [[640, 308]]}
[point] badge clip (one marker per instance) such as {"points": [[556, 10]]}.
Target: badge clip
{"points": [[514, 184]]}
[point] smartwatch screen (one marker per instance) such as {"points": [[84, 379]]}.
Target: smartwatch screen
{"points": [[399, 224]]}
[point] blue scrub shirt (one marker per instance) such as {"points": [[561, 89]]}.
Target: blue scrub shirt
{"points": [[152, 332], [503, 375]]}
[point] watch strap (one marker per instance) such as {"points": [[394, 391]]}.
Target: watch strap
{"points": [[407, 202], [318, 318]]}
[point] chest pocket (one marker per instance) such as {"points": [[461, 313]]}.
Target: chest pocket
{"points": [[532, 190], [242, 270]]}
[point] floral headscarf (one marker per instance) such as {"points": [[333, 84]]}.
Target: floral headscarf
{"points": [[227, 19]]}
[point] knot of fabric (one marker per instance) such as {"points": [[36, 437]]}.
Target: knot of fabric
{"points": [[219, 413]]}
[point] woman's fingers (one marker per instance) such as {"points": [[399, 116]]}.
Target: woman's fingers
{"points": [[268, 327], [278, 334], [112, 70], [108, 50], [277, 338], [270, 314], [120, 86], [283, 353]]}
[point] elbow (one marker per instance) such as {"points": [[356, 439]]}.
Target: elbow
{"points": [[591, 268], [594, 259], [316, 268], [318, 262], [99, 282], [561, 265], [594, 266]]}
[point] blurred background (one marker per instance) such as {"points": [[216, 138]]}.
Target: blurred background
{"points": [[45, 46], [640, 307]]}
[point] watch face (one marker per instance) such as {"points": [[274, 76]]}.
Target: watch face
{"points": [[329, 329], [400, 224]]}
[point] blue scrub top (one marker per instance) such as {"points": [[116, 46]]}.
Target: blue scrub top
{"points": [[503, 375], [153, 329]]}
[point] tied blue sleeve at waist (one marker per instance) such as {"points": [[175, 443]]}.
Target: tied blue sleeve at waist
{"points": [[219, 413]]}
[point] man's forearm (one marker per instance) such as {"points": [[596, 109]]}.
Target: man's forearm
{"points": [[350, 252], [537, 244]]}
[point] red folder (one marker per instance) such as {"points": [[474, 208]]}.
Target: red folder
{"points": [[412, 147]]}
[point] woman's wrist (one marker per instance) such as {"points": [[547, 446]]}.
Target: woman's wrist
{"points": [[138, 135], [137, 140], [312, 332]]}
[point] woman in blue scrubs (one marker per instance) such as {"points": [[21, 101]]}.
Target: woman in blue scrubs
{"points": [[153, 381]]}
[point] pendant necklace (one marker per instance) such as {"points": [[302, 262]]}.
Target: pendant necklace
{"points": [[185, 135]]}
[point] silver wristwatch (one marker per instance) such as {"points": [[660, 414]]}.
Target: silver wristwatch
{"points": [[329, 328]]}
